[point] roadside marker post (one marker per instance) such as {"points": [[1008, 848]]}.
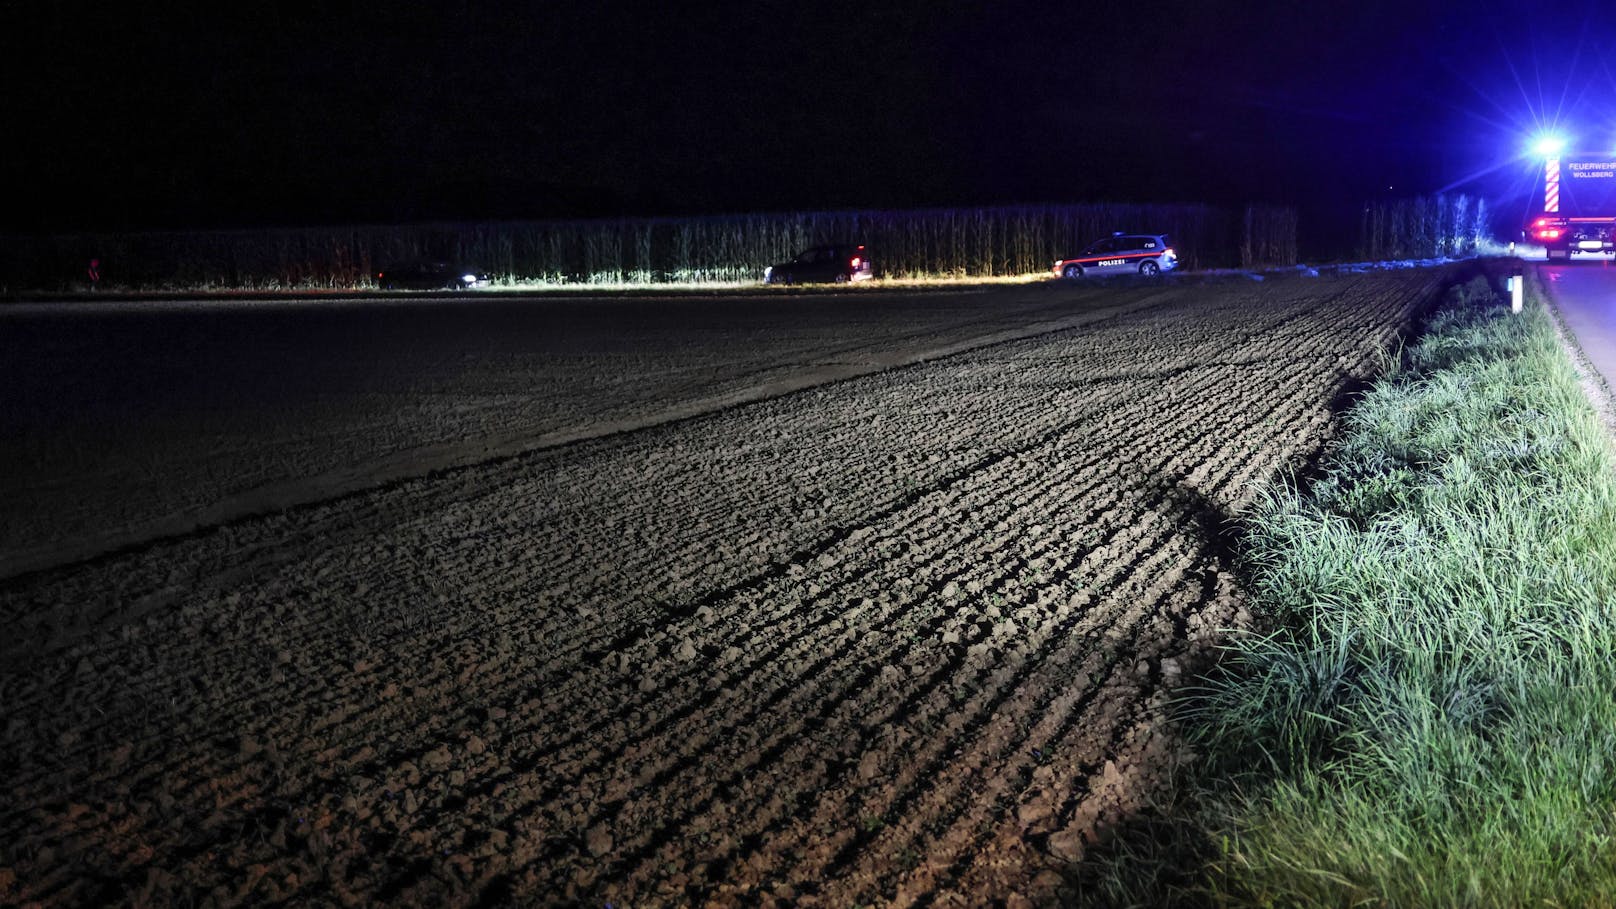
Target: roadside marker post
{"points": [[1517, 284]]}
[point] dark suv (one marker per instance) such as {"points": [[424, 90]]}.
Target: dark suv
{"points": [[1145, 254], [429, 276], [839, 263]]}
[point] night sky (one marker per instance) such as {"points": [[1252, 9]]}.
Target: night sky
{"points": [[263, 114]]}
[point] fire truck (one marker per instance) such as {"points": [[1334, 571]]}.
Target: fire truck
{"points": [[1579, 206]]}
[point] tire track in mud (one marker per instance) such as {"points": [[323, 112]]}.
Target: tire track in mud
{"points": [[889, 639]]}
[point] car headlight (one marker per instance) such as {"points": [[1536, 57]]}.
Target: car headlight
{"points": [[469, 279]]}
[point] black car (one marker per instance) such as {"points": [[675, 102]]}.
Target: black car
{"points": [[429, 276], [839, 263]]}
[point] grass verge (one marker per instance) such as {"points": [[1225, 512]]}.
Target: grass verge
{"points": [[1428, 716]]}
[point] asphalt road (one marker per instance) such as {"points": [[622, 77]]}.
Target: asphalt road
{"points": [[1585, 292]]}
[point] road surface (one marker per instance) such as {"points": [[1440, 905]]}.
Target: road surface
{"points": [[1584, 290]]}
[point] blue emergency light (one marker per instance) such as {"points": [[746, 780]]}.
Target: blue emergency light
{"points": [[1549, 145]]}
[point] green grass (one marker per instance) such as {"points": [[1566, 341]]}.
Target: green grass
{"points": [[1429, 716]]}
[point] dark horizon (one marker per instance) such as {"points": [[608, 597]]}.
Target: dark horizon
{"points": [[461, 112]]}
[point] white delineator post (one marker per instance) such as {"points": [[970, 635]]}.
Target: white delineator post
{"points": [[1517, 284]]}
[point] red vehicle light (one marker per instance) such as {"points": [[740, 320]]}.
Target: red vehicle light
{"points": [[1541, 222], [1548, 234], [854, 262]]}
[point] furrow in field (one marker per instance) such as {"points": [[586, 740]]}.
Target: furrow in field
{"points": [[746, 695], [903, 637], [385, 439], [698, 642], [922, 676], [327, 699]]}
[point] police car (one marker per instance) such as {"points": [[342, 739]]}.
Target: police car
{"points": [[1145, 254]]}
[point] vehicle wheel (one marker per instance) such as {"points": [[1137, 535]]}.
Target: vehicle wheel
{"points": [[842, 279], [1073, 271], [1149, 268]]}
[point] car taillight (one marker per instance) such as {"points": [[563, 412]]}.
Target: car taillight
{"points": [[1548, 234], [1169, 252], [854, 262], [1541, 222]]}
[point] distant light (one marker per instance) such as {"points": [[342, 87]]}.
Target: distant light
{"points": [[1549, 145], [856, 260], [469, 279]]}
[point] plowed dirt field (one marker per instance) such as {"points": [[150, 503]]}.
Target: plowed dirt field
{"points": [[877, 613]]}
